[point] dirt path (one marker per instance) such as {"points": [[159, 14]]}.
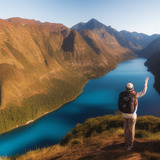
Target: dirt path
{"points": [[101, 147]]}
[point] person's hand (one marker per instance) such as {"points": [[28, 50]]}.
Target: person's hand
{"points": [[146, 80]]}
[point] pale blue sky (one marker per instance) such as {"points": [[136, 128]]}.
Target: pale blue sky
{"points": [[132, 15]]}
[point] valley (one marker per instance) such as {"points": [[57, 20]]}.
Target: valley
{"points": [[45, 65]]}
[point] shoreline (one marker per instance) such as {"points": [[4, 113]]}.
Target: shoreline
{"points": [[58, 107]]}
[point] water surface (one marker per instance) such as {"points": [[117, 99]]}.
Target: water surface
{"points": [[99, 97]]}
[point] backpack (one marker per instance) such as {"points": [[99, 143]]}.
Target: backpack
{"points": [[127, 102]]}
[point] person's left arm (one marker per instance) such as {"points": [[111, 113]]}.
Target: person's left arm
{"points": [[143, 92]]}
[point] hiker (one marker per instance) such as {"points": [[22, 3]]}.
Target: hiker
{"points": [[128, 104]]}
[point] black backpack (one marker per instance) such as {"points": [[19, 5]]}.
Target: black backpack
{"points": [[127, 102]]}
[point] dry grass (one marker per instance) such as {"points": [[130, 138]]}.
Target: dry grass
{"points": [[108, 144], [43, 154]]}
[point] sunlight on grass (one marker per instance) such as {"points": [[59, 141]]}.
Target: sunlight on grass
{"points": [[105, 127]]}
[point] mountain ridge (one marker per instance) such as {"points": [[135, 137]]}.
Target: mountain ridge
{"points": [[103, 39], [44, 65], [95, 24], [138, 40], [132, 40], [152, 48]]}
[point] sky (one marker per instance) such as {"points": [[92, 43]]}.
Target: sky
{"points": [[142, 16]]}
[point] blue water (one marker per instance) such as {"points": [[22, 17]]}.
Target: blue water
{"points": [[99, 97]]}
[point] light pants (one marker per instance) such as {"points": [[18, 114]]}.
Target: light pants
{"points": [[129, 130]]}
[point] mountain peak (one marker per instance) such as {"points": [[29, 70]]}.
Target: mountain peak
{"points": [[93, 20], [93, 23], [90, 25]]}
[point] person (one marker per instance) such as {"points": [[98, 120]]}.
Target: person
{"points": [[130, 118]]}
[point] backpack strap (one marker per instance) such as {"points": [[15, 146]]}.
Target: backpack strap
{"points": [[135, 100], [134, 93]]}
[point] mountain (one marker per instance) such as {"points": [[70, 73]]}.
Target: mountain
{"points": [[152, 53], [45, 65], [26, 51], [105, 41], [94, 25], [78, 54], [152, 48], [33, 53], [154, 67], [90, 25], [138, 40]]}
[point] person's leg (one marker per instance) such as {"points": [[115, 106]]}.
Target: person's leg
{"points": [[131, 131], [126, 130]]}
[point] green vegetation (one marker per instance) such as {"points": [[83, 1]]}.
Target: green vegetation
{"points": [[36, 106], [93, 126], [146, 127]]}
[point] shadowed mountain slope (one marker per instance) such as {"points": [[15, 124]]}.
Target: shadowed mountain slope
{"points": [[152, 48], [154, 67], [152, 53], [104, 40], [138, 40]]}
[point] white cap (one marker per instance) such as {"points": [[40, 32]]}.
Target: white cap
{"points": [[129, 86]]}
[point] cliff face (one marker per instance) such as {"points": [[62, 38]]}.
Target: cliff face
{"points": [[152, 53], [154, 67]]}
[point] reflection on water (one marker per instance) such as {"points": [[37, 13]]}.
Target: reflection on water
{"points": [[99, 98]]}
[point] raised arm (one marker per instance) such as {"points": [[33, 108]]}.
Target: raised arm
{"points": [[143, 92]]}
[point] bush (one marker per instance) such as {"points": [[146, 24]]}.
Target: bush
{"points": [[142, 134], [93, 126], [75, 141], [148, 123]]}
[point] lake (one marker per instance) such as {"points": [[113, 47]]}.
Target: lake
{"points": [[99, 97]]}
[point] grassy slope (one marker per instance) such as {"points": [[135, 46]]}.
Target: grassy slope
{"points": [[102, 137]]}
